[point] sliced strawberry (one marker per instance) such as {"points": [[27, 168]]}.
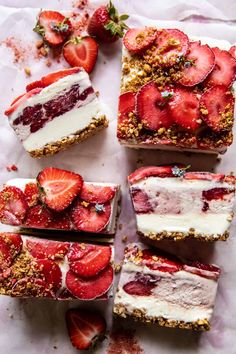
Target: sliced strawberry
{"points": [[157, 262], [14, 242], [58, 187], [50, 271], [224, 71], [13, 206], [91, 288], [140, 201], [57, 75], [148, 171], [88, 260], [97, 194], [204, 270], [232, 51], [217, 107], [20, 100], [38, 216], [184, 109], [138, 288], [93, 218], [31, 287], [5, 255], [81, 51], [126, 105], [60, 221], [53, 27], [33, 85], [199, 63], [216, 193], [151, 107], [45, 249], [171, 45], [137, 40], [31, 193], [207, 176], [85, 328]]}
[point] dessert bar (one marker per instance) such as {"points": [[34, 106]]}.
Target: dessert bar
{"points": [[164, 290], [58, 110], [171, 203], [60, 200], [176, 92], [33, 267]]}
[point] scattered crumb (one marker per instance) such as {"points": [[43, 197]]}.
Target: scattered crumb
{"points": [[124, 238], [80, 4], [139, 161], [11, 315], [48, 62], [39, 43], [120, 226], [123, 341], [218, 159], [43, 51], [54, 347], [20, 51], [11, 168], [117, 267], [97, 93], [28, 71], [231, 173]]}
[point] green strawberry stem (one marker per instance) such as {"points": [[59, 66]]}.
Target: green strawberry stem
{"points": [[116, 25]]}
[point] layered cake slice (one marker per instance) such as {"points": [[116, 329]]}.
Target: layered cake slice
{"points": [[60, 200], [176, 92], [60, 109], [33, 267], [159, 289], [171, 203]]}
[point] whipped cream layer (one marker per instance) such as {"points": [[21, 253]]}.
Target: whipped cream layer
{"points": [[178, 204], [64, 125]]}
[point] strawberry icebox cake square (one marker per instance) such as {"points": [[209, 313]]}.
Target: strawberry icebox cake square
{"points": [[162, 289], [171, 203], [176, 91], [60, 200], [56, 111], [35, 267]]}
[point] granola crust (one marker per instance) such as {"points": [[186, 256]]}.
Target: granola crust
{"points": [[179, 236], [140, 315], [77, 137]]}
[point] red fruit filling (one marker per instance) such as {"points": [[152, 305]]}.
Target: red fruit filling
{"points": [[216, 193], [140, 201], [142, 285]]}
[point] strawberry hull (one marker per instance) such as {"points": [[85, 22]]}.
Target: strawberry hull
{"points": [[40, 268]]}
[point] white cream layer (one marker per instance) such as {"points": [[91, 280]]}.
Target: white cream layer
{"points": [[177, 206], [180, 296]]}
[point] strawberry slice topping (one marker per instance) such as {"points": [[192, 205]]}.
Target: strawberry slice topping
{"points": [[53, 27], [42, 249], [126, 105], [91, 218], [13, 206], [57, 75], [207, 176], [97, 194], [140, 201], [38, 216], [33, 85], [31, 193], [81, 51], [217, 108], [204, 270], [171, 45], [148, 171], [137, 40], [199, 63], [31, 287], [89, 289], [85, 328], [14, 242], [184, 109], [157, 262], [20, 100], [139, 288], [60, 221], [58, 187], [232, 51], [50, 272], [88, 260], [151, 107], [5, 255], [224, 71]]}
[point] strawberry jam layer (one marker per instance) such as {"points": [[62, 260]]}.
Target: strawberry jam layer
{"points": [[38, 115]]}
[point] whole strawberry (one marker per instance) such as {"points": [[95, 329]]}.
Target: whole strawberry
{"points": [[106, 25]]}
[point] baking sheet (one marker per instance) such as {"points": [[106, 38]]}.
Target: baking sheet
{"points": [[33, 326]]}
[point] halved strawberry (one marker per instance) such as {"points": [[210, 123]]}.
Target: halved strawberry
{"points": [[53, 27], [232, 51], [151, 107], [138, 288], [50, 271], [88, 260], [13, 241], [204, 176], [199, 62], [58, 188], [5, 255], [224, 71], [13, 206], [140, 201], [204, 270], [57, 75], [45, 249], [97, 194], [184, 109], [38, 216], [91, 288], [217, 107], [33, 85], [85, 328], [171, 45], [31, 287], [81, 51], [21, 99], [137, 40], [147, 171], [31, 193], [60, 221], [126, 105], [91, 218], [157, 262]]}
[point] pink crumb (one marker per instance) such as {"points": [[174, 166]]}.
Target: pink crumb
{"points": [[20, 51]]}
